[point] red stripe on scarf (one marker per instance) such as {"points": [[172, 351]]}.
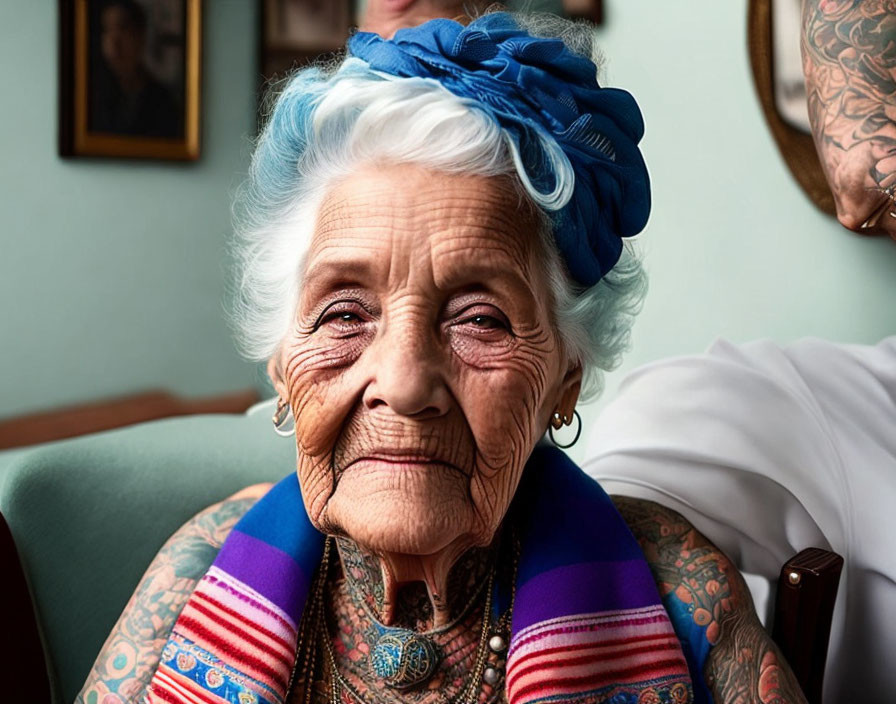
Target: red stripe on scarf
{"points": [[241, 632], [222, 647], [174, 688], [268, 633], [219, 583], [569, 685], [519, 672], [608, 622], [614, 643]]}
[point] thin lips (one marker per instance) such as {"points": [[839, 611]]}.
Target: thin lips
{"points": [[413, 459], [402, 458]]}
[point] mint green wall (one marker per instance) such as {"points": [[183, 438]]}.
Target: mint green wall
{"points": [[733, 247], [111, 276]]}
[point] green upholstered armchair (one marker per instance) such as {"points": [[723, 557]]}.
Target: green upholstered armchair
{"points": [[88, 515]]}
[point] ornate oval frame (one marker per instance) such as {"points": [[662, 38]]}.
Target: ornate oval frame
{"points": [[797, 147]]}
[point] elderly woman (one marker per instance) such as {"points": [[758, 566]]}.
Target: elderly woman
{"points": [[433, 267]]}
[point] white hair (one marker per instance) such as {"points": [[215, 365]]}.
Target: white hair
{"points": [[329, 122]]}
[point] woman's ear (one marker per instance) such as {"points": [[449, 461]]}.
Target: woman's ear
{"points": [[276, 375], [570, 388]]}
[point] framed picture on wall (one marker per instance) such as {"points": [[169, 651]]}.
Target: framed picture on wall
{"points": [[591, 10], [295, 32], [129, 78]]}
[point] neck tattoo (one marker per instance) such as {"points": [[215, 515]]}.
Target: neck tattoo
{"points": [[367, 582], [406, 653], [364, 661]]}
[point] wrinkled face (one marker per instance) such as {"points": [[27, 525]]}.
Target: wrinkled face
{"points": [[423, 365]]}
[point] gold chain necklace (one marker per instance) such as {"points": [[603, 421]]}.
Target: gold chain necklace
{"points": [[309, 628]]}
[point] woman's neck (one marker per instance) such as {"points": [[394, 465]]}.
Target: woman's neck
{"points": [[416, 592]]}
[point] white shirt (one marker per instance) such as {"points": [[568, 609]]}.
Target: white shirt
{"points": [[767, 451]]}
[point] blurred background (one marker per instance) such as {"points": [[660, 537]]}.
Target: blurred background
{"points": [[113, 271]]}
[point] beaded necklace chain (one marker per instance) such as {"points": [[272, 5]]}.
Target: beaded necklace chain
{"points": [[310, 627], [314, 628]]}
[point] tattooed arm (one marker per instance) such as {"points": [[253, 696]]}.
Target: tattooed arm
{"points": [[131, 653], [849, 58], [744, 665]]}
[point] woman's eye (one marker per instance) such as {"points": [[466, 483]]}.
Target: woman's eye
{"points": [[344, 317], [486, 322], [340, 318]]}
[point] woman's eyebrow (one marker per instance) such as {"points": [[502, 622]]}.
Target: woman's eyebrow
{"points": [[510, 285], [491, 265], [337, 272]]}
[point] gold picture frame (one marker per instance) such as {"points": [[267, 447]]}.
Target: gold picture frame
{"points": [[155, 114]]}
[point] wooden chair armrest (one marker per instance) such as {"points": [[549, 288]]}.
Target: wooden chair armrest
{"points": [[804, 609]]}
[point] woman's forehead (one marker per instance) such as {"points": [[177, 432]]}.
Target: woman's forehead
{"points": [[384, 222]]}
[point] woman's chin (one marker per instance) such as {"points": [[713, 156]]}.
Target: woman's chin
{"points": [[408, 511]]}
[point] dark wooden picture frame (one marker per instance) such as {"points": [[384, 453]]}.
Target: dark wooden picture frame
{"points": [[296, 32], [797, 147], [591, 10], [112, 101]]}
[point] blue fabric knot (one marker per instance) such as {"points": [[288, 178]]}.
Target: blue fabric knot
{"points": [[577, 141]]}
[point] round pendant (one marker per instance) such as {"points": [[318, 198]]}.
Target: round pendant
{"points": [[403, 659]]}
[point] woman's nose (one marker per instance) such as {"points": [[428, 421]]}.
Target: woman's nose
{"points": [[408, 374]]}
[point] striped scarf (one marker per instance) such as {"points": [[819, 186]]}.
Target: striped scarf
{"points": [[588, 624]]}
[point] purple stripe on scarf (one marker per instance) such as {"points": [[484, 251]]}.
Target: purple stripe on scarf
{"points": [[584, 588], [266, 569]]}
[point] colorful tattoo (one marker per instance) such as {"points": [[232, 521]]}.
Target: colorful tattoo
{"points": [[849, 58], [742, 664], [414, 607], [350, 602], [131, 653]]}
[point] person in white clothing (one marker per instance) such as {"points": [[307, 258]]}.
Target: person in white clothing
{"points": [[768, 450]]}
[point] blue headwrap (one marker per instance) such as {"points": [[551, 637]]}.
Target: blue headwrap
{"points": [[550, 105]]}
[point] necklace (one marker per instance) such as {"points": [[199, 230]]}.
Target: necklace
{"points": [[465, 696], [404, 659], [314, 628], [310, 628]]}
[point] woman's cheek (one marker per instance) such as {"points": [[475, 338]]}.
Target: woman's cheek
{"points": [[324, 352], [316, 482], [501, 406], [316, 365], [321, 393]]}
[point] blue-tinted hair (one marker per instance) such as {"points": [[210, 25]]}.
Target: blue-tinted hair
{"points": [[329, 121]]}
